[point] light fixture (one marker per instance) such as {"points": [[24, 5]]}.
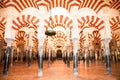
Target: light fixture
{"points": [[50, 32]]}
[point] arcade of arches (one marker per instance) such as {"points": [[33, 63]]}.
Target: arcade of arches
{"points": [[84, 28]]}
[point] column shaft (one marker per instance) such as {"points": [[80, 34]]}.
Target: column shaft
{"points": [[40, 61], [107, 52], [6, 62], [75, 57]]}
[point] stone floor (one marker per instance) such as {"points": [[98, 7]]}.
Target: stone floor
{"points": [[59, 71]]}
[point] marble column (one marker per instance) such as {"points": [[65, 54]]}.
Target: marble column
{"points": [[107, 53], [87, 55], [49, 55], [7, 56], [68, 57], [40, 61], [29, 55], [8, 36], [12, 52], [106, 37], [75, 56]]}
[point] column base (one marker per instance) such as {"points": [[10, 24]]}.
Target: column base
{"points": [[109, 71], [40, 73], [5, 73], [75, 72]]}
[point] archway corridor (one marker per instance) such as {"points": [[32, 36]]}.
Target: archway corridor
{"points": [[58, 70]]}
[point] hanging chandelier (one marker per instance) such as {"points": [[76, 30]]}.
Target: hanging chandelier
{"points": [[50, 32]]}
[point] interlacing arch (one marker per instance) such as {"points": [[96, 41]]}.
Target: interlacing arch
{"points": [[24, 21], [2, 27], [116, 37], [35, 40], [92, 21], [59, 20], [67, 4], [114, 22], [95, 5], [95, 34], [20, 5], [115, 4], [2, 21], [59, 34], [82, 40], [60, 38], [20, 38]]}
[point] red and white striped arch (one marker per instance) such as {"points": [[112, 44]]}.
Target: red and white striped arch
{"points": [[2, 5], [2, 20], [114, 22], [20, 36], [59, 20], [96, 5], [20, 5], [2, 27], [95, 34], [35, 41], [115, 4], [59, 34], [92, 22], [67, 4], [59, 39], [81, 41], [34, 38], [24, 20], [116, 37]]}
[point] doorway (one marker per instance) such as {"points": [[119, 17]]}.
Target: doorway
{"points": [[59, 54]]}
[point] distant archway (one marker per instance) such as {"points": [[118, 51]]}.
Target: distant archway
{"points": [[59, 54]]}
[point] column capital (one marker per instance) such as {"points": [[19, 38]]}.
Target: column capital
{"points": [[106, 40], [75, 39], [9, 41]]}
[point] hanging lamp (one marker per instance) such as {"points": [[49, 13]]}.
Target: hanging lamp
{"points": [[50, 32]]}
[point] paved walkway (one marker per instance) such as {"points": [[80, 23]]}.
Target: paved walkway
{"points": [[59, 71]]}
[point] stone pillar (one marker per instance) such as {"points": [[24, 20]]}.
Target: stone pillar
{"points": [[68, 56], [49, 50], [7, 56], [68, 46], [12, 52], [49, 55], [8, 36], [40, 61], [107, 53], [106, 37], [41, 37], [75, 56], [29, 55], [30, 45]]}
